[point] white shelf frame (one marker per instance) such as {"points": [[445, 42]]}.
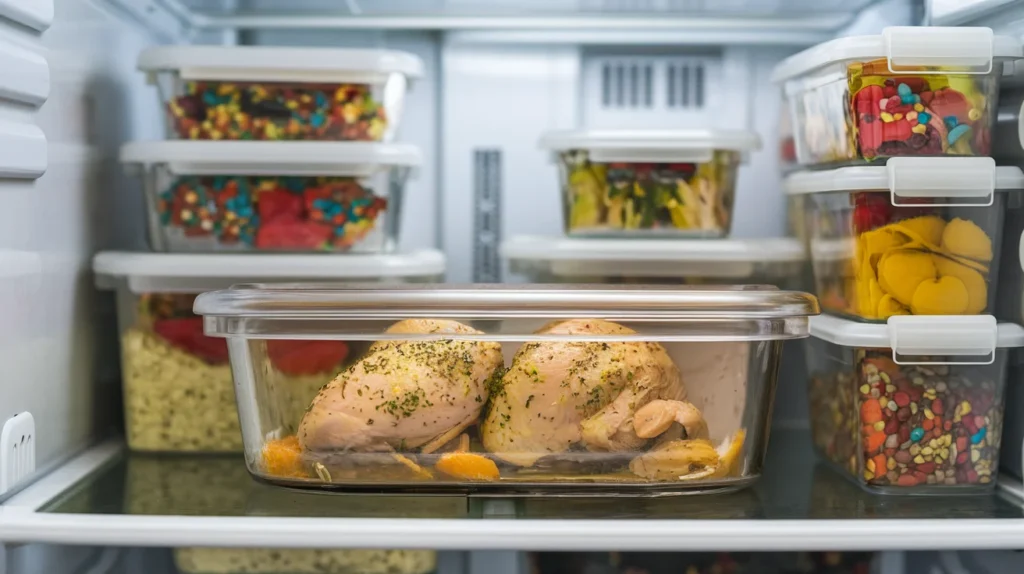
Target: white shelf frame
{"points": [[176, 22], [22, 522]]}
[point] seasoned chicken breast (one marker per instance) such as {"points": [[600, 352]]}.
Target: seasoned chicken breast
{"points": [[562, 395], [404, 394]]}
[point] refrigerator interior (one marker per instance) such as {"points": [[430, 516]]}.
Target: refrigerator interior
{"points": [[497, 74]]}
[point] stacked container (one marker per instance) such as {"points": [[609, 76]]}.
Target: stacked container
{"points": [[904, 212], [279, 165]]}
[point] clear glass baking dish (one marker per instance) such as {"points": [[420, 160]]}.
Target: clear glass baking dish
{"points": [[571, 390], [914, 406], [772, 261], [910, 91], [917, 236], [178, 391], [272, 196], [277, 93], [636, 183]]}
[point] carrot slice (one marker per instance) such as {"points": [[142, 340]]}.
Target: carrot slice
{"points": [[468, 466], [283, 457]]}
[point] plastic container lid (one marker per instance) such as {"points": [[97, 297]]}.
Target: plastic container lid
{"points": [[271, 157], [673, 146], [276, 64], [513, 313], [720, 258], [908, 49], [193, 273], [924, 335], [972, 179]]}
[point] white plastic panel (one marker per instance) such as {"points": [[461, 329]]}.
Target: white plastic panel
{"points": [[36, 14], [24, 74], [22, 150]]}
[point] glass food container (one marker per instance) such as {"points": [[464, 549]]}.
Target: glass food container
{"points": [[914, 406], [273, 93], [272, 196], [776, 262], [525, 389], [910, 91], [624, 183], [178, 390], [917, 236]]}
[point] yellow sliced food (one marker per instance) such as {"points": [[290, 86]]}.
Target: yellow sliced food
{"points": [[965, 238], [977, 286], [900, 272], [676, 459], [468, 466], [926, 227], [729, 454], [887, 307], [943, 296], [418, 470]]}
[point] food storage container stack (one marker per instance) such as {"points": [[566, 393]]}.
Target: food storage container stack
{"points": [[904, 214], [574, 390]]}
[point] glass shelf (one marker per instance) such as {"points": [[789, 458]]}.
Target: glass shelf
{"points": [[795, 486]]}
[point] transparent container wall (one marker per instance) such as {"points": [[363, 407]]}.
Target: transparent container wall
{"points": [[1010, 459], [860, 111], [229, 110], [232, 213], [782, 274], [301, 561], [903, 428], [569, 410], [873, 260], [648, 199], [787, 138]]}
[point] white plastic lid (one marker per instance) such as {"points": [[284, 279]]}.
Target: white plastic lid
{"points": [[972, 179], [275, 64], [313, 158], [192, 273], [695, 146], [924, 335], [720, 258], [908, 49]]}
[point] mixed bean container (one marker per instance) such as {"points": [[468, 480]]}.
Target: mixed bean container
{"points": [[903, 212]]}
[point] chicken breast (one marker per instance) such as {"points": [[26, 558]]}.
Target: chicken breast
{"points": [[561, 395], [404, 395]]}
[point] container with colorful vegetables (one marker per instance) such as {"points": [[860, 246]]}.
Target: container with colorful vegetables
{"points": [[272, 196], [910, 91], [914, 406], [917, 236], [622, 183]]}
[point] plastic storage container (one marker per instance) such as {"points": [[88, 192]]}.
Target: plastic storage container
{"points": [[272, 196], [915, 406], [271, 93], [910, 91], [917, 236], [641, 183], [178, 390], [776, 262], [519, 389]]}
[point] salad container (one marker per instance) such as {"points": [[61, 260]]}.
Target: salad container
{"points": [[273, 93], [914, 406], [910, 91], [272, 196], [917, 236], [525, 389], [630, 183], [776, 262], [178, 390]]}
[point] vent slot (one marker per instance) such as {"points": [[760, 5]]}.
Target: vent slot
{"points": [[652, 91]]}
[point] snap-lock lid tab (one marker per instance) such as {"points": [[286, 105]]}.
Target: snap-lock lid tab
{"points": [[942, 335], [970, 179], [933, 50]]}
